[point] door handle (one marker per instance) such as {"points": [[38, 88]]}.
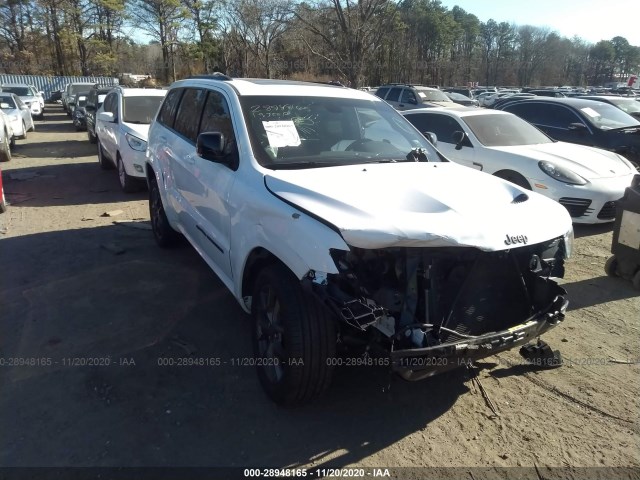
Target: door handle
{"points": [[475, 164]]}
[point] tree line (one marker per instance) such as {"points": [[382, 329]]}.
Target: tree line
{"points": [[358, 42]]}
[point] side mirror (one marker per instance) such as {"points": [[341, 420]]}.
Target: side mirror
{"points": [[413, 101], [459, 139], [432, 137], [577, 126], [106, 117], [213, 146], [41, 93]]}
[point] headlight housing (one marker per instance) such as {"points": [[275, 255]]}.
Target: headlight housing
{"points": [[561, 174], [568, 244], [136, 143]]}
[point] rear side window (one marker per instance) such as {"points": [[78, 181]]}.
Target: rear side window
{"points": [[527, 111], [382, 92], [394, 94], [167, 113], [189, 113]]}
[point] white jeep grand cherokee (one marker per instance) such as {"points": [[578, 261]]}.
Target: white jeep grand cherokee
{"points": [[336, 224]]}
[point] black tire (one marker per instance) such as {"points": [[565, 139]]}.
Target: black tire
{"points": [[12, 143], [292, 329], [165, 235], [636, 280], [5, 149], [92, 138], [513, 177], [24, 131], [611, 266], [128, 183], [105, 163]]}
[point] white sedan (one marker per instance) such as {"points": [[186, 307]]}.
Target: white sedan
{"points": [[19, 114], [586, 180]]}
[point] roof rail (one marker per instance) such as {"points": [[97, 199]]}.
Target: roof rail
{"points": [[212, 76]]}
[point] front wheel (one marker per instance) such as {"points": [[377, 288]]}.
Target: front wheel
{"points": [[294, 338], [611, 266], [24, 131], [514, 177], [127, 182]]}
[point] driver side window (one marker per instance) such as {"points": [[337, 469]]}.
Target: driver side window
{"points": [[408, 97]]}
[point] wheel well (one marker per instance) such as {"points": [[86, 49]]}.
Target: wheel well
{"points": [[507, 174], [258, 259]]}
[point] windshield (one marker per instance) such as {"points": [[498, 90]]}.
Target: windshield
{"points": [[7, 103], [432, 95], [607, 117], [20, 91], [78, 88], [308, 132], [140, 109], [504, 131]]}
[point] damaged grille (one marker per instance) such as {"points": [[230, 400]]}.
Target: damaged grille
{"points": [[421, 297], [493, 294]]}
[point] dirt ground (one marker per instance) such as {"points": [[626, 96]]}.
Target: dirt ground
{"points": [[97, 311]]}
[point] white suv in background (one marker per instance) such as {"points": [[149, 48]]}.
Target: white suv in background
{"points": [[337, 225], [29, 96], [122, 125]]}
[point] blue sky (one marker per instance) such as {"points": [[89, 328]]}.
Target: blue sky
{"points": [[592, 20]]}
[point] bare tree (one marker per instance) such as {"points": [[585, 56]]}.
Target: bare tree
{"points": [[359, 28]]}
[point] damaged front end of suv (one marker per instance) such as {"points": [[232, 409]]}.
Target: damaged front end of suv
{"points": [[434, 309]]}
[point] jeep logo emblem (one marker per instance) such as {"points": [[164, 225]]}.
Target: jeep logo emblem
{"points": [[516, 239]]}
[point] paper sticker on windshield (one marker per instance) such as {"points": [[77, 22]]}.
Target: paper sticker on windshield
{"points": [[422, 95], [590, 111], [282, 133]]}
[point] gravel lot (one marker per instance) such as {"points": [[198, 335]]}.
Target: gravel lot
{"points": [[77, 287]]}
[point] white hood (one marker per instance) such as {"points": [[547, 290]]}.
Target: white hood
{"points": [[420, 205], [139, 130], [588, 162]]}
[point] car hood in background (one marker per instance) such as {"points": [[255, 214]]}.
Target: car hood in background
{"points": [[420, 204], [140, 130], [588, 162]]}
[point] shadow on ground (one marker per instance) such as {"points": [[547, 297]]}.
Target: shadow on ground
{"points": [[147, 310], [75, 183]]}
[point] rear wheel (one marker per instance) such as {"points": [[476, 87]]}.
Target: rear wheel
{"points": [[164, 234], [5, 149], [105, 164], [92, 137], [294, 338], [514, 177]]}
